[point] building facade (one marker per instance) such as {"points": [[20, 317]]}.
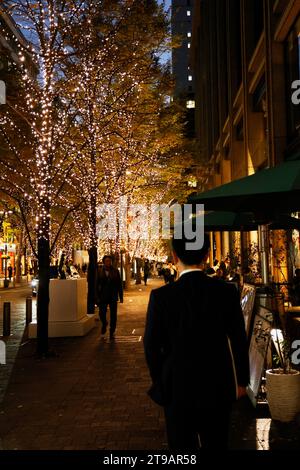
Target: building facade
{"points": [[246, 61], [181, 22], [184, 92]]}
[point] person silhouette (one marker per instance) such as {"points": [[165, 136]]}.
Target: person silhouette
{"points": [[146, 271], [196, 350], [10, 271], [109, 289]]}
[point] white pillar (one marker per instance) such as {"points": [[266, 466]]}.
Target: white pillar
{"points": [[263, 241]]}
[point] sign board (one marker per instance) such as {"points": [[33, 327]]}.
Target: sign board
{"points": [[259, 344], [9, 247], [2, 92], [247, 303]]}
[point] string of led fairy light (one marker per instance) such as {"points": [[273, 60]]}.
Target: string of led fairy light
{"points": [[46, 142]]}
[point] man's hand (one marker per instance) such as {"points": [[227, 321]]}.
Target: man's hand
{"points": [[242, 392]]}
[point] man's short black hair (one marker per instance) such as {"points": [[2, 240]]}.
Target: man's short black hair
{"points": [[105, 257], [188, 256]]}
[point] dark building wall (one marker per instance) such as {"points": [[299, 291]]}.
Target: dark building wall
{"points": [[182, 29], [245, 55]]}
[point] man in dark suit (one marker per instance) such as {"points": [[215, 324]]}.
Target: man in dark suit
{"points": [[196, 350], [109, 290]]}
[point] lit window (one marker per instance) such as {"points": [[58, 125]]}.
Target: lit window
{"points": [[189, 34], [190, 104], [188, 13], [189, 45], [190, 78]]}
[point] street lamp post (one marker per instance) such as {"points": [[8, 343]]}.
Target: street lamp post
{"points": [[3, 101]]}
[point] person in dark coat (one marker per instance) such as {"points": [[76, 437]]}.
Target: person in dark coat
{"points": [[109, 290], [196, 351], [146, 271], [10, 271]]}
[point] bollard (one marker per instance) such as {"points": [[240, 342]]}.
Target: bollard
{"points": [[6, 319], [28, 310]]}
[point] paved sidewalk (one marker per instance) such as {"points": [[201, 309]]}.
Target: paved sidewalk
{"points": [[24, 281], [93, 395], [13, 341]]}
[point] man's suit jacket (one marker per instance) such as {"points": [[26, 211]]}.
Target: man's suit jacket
{"points": [[109, 288], [195, 341]]}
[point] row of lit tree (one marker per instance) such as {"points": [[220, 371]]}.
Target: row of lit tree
{"points": [[91, 122]]}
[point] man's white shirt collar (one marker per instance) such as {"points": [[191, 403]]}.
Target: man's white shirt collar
{"points": [[190, 271]]}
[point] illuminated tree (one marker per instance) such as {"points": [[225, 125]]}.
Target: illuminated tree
{"points": [[91, 122], [37, 170], [122, 87]]}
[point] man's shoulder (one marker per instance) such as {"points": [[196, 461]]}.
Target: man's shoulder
{"points": [[222, 286], [214, 286], [218, 287], [164, 290], [226, 292]]}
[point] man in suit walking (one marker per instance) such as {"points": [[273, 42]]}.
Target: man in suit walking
{"points": [[109, 290], [196, 350]]}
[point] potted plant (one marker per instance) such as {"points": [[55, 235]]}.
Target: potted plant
{"points": [[282, 381]]}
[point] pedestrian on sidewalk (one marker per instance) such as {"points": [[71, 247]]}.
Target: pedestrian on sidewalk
{"points": [[10, 271], [173, 272], [166, 272], [196, 350], [146, 271], [109, 290]]}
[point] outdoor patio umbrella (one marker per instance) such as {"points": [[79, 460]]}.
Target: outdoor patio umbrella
{"points": [[272, 189]]}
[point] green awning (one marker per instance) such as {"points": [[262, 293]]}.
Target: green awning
{"points": [[270, 190], [223, 221]]}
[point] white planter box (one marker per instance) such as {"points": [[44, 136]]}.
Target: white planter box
{"points": [[68, 299], [67, 309]]}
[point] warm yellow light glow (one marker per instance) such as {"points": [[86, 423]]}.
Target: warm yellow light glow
{"points": [[190, 104]]}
